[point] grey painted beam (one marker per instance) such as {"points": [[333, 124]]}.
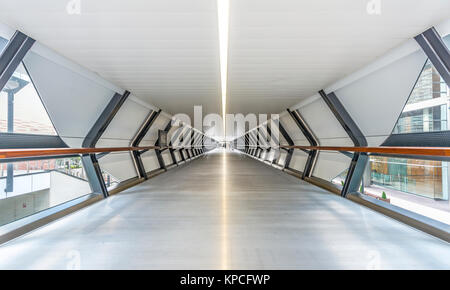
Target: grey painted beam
{"points": [[434, 47]]}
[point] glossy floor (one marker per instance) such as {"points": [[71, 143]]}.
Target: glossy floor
{"points": [[225, 211]]}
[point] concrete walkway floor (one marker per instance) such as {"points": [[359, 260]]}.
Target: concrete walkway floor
{"points": [[225, 211]]}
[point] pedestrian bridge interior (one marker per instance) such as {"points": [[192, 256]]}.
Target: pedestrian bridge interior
{"points": [[225, 134]]}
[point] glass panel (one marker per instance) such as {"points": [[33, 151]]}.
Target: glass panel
{"points": [[21, 109], [447, 40], [27, 187], [420, 186], [3, 42], [340, 179]]}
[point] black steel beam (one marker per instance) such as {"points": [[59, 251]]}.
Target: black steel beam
{"points": [[359, 160], [436, 50]]}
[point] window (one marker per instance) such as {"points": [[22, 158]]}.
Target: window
{"points": [[427, 109], [110, 180], [420, 186], [21, 109], [27, 187]]}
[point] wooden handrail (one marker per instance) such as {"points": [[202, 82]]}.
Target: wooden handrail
{"points": [[421, 151], [40, 152]]}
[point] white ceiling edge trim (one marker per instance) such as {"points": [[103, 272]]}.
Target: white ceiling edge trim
{"points": [[408, 47], [143, 103]]}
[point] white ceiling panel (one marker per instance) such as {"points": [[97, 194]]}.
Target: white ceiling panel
{"points": [[167, 52], [164, 52], [284, 50]]}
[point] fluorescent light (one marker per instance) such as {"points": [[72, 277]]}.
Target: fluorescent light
{"points": [[223, 8]]}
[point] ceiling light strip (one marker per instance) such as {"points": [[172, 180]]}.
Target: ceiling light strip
{"points": [[223, 7]]}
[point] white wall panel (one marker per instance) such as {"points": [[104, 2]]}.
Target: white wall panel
{"points": [[72, 101], [291, 128], [126, 122], [376, 101]]}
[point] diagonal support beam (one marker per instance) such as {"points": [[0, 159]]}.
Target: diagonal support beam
{"points": [[143, 130], [12, 55], [434, 47], [90, 162], [359, 160], [307, 132]]}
